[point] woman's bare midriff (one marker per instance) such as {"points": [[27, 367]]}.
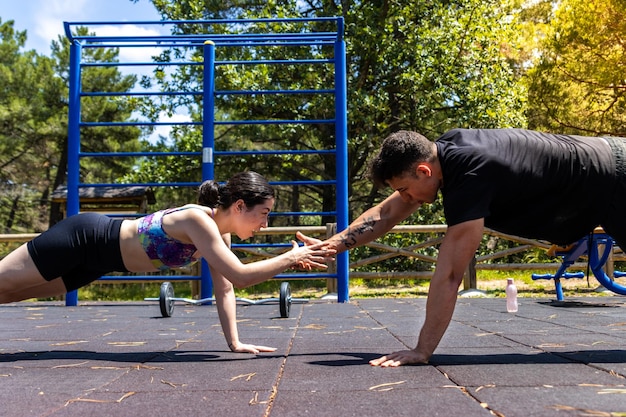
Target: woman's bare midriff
{"points": [[134, 257]]}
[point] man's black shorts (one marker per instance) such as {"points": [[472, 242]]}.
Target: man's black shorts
{"points": [[614, 222]]}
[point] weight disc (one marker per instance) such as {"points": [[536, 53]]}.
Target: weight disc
{"points": [[285, 299], [166, 301]]}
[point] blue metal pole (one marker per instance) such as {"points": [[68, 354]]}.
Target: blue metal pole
{"points": [[208, 144], [73, 145], [341, 137]]}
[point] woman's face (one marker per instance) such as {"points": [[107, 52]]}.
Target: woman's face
{"points": [[253, 218]]}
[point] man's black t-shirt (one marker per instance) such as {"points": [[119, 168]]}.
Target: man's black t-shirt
{"points": [[526, 183]]}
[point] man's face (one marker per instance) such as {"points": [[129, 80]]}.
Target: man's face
{"points": [[419, 186]]}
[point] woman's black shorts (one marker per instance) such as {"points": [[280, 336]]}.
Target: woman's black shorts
{"points": [[79, 249]]}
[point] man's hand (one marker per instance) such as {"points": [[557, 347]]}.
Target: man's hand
{"points": [[403, 357]]}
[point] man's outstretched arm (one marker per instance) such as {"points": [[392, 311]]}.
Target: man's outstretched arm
{"points": [[370, 225]]}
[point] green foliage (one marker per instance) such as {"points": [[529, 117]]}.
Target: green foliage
{"points": [[429, 67], [414, 65], [28, 119], [577, 85], [33, 126]]}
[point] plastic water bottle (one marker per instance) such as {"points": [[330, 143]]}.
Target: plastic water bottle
{"points": [[511, 296]]}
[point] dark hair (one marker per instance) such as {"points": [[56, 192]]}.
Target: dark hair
{"points": [[399, 152], [248, 186]]}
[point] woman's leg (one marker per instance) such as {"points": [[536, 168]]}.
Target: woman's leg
{"points": [[20, 279]]}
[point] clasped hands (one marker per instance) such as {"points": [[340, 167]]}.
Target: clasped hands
{"points": [[319, 253]]}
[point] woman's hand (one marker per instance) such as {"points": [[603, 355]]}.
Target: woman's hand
{"points": [[307, 240], [316, 255], [245, 348]]}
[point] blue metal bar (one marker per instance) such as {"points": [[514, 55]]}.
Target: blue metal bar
{"points": [[302, 213], [195, 184], [222, 40], [215, 153], [238, 22], [305, 182], [259, 92], [140, 184], [208, 144], [141, 93], [275, 122], [96, 124], [340, 29], [217, 63], [281, 152], [139, 64], [197, 93], [239, 25], [341, 138], [283, 43], [73, 145], [148, 44], [136, 154], [276, 61], [217, 38], [197, 43]]}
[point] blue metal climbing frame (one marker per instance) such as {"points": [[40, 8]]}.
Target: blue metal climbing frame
{"points": [[216, 34]]}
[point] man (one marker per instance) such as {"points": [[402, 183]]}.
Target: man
{"points": [[519, 182]]}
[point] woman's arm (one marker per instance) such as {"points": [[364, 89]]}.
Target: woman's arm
{"points": [[227, 311], [204, 234]]}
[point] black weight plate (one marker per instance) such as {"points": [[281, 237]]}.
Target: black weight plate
{"points": [[285, 299], [166, 301]]}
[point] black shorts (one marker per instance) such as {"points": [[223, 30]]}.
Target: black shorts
{"points": [[614, 222], [79, 249]]}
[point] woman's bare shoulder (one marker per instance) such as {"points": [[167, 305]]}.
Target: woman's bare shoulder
{"points": [[197, 206]]}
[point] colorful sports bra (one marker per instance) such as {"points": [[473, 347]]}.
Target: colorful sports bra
{"points": [[164, 251]]}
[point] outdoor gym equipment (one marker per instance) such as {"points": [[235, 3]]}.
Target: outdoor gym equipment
{"points": [[597, 246], [314, 45], [166, 300]]}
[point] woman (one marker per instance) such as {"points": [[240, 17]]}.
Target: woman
{"points": [[82, 248]]}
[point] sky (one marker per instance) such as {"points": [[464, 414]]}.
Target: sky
{"points": [[43, 22], [43, 19]]}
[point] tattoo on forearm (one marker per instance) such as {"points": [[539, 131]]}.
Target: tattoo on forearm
{"points": [[349, 238]]}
